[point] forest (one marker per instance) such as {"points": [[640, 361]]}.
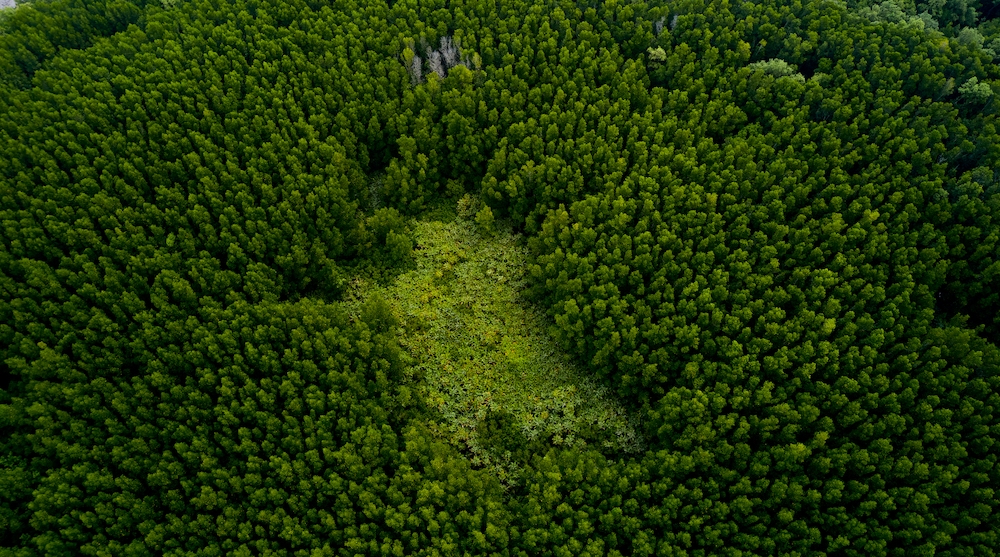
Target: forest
{"points": [[317, 278]]}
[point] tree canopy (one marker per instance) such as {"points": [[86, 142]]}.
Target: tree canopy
{"points": [[772, 229]]}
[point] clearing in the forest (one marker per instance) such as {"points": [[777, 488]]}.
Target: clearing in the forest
{"points": [[482, 350]]}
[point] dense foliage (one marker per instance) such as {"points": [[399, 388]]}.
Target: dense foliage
{"points": [[771, 227]]}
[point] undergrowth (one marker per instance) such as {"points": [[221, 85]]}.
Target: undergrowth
{"points": [[497, 384]]}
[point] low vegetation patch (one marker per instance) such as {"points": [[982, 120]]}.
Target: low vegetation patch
{"points": [[498, 383]]}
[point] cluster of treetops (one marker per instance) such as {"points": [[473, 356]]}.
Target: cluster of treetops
{"points": [[772, 227]]}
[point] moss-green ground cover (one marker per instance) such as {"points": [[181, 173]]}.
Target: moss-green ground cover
{"points": [[480, 348]]}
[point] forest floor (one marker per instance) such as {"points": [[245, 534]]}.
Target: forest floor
{"points": [[479, 346]]}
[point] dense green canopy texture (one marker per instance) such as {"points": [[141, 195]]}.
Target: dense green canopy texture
{"points": [[769, 230]]}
